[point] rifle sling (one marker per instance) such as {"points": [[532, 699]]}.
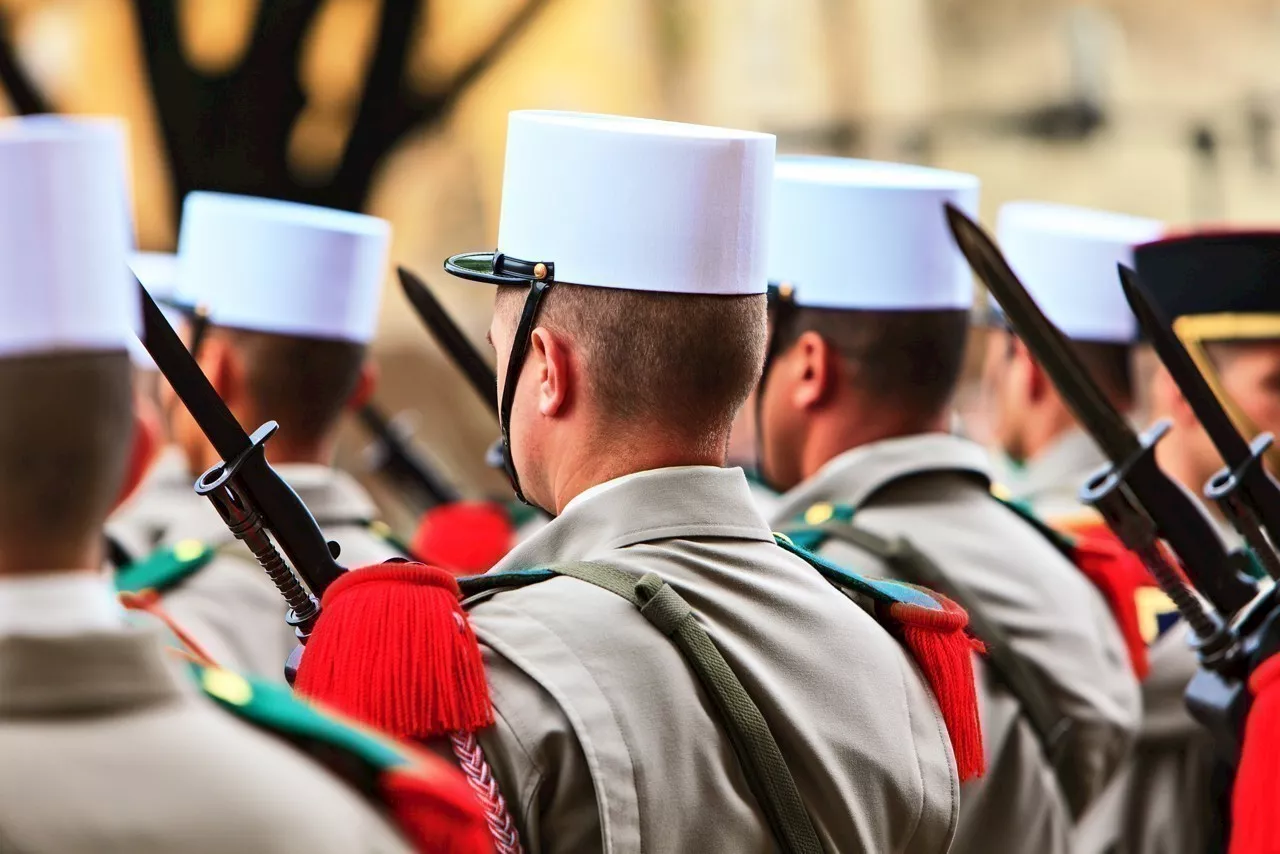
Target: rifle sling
{"points": [[1019, 676], [762, 763]]}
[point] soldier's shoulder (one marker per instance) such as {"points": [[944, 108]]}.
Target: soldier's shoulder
{"points": [[165, 568]]}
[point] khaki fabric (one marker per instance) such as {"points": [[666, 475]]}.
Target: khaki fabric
{"points": [[108, 748], [230, 606], [604, 740], [1050, 483], [934, 489], [165, 494]]}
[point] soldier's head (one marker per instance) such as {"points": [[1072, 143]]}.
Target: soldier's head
{"points": [[290, 296], [67, 312], [629, 319], [1067, 258], [871, 314], [1222, 291]]}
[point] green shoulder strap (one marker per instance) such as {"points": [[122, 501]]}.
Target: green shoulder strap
{"points": [[1023, 679], [164, 568], [357, 755], [753, 742]]}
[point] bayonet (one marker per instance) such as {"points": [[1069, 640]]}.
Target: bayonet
{"points": [[451, 338], [1133, 493], [255, 502], [1248, 495], [395, 457]]}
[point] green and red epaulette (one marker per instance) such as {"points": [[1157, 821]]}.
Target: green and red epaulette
{"points": [[430, 801], [165, 568], [1140, 609], [931, 627]]}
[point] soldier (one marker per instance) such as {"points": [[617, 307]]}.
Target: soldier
{"points": [[1067, 257], [109, 744], [867, 345], [629, 327], [1219, 290], [292, 295]]}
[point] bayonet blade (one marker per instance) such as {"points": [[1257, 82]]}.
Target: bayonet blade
{"points": [[1260, 491], [451, 338], [193, 388], [1178, 519], [1095, 413]]}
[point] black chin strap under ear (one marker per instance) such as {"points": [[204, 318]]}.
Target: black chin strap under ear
{"points": [[538, 287], [782, 308]]}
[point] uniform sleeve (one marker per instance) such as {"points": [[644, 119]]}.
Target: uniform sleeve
{"points": [[539, 764]]}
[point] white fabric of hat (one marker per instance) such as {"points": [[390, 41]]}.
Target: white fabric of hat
{"points": [[158, 273], [1066, 256], [64, 237], [281, 267], [869, 235], [638, 204]]}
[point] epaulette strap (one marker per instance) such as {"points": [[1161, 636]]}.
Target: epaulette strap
{"points": [[164, 568], [472, 585], [934, 631], [762, 762], [430, 802], [1018, 675]]}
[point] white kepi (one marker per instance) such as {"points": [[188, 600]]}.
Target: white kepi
{"points": [[1066, 257], [158, 273], [628, 203], [64, 238], [283, 268], [867, 235]]}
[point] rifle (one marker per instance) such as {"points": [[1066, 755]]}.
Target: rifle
{"points": [[1249, 499], [394, 457], [1135, 497], [255, 502]]}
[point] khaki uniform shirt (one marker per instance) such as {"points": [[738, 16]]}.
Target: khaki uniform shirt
{"points": [[1050, 483], [934, 489], [230, 606], [108, 748], [165, 494], [604, 739]]}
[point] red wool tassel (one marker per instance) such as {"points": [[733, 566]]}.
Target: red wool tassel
{"points": [[1254, 829], [436, 811], [465, 537], [1118, 574], [394, 649], [944, 652]]}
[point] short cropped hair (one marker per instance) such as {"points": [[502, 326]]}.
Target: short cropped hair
{"points": [[303, 383], [680, 361], [909, 360], [64, 443]]}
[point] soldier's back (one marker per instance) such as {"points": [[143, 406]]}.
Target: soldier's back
{"points": [[855, 723], [108, 747]]}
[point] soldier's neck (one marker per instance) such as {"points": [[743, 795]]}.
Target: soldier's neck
{"points": [[608, 461], [828, 438]]}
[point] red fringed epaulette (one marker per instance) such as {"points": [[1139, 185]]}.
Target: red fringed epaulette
{"points": [[394, 649], [1118, 574], [1254, 829], [465, 537], [147, 442], [935, 632]]}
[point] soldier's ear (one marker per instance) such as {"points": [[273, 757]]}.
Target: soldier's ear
{"points": [[814, 368], [555, 372], [221, 365]]}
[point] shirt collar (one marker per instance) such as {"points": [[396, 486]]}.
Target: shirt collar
{"points": [[59, 603], [853, 476], [668, 503], [1065, 464]]}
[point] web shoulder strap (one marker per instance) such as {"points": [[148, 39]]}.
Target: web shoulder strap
{"points": [[766, 771]]}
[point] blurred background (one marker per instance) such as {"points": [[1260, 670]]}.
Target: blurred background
{"points": [[1165, 108]]}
